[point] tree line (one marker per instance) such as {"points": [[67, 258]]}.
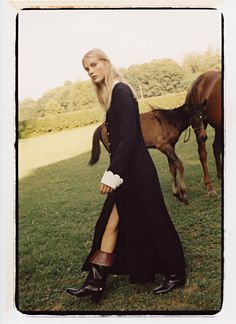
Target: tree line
{"points": [[154, 78]]}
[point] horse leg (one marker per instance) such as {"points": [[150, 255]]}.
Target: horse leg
{"points": [[173, 173], [178, 165], [217, 150], [202, 152], [182, 184]]}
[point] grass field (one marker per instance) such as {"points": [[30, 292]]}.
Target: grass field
{"points": [[46, 149], [58, 206]]}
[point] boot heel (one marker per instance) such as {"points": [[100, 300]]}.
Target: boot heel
{"points": [[96, 296], [181, 283]]}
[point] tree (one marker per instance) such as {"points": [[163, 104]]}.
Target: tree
{"points": [[199, 63], [150, 79], [53, 107], [156, 77]]}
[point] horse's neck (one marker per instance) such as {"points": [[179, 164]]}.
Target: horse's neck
{"points": [[177, 117], [184, 121]]}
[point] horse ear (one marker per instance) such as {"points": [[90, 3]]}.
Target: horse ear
{"points": [[204, 105]]}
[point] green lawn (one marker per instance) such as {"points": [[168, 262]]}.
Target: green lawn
{"points": [[57, 209]]}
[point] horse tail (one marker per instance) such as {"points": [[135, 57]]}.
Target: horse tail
{"points": [[96, 149]]}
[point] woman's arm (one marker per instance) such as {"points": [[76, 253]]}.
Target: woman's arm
{"points": [[125, 111]]}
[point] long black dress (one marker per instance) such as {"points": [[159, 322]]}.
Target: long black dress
{"points": [[147, 240]]}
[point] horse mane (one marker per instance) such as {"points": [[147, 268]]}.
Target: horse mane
{"points": [[177, 116], [173, 112]]}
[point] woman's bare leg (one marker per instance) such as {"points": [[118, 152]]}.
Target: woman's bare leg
{"points": [[101, 262], [110, 234]]}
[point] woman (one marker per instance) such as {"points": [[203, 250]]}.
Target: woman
{"points": [[134, 234]]}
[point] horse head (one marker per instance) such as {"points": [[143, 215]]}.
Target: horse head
{"points": [[197, 117]]}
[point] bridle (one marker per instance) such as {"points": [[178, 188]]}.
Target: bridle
{"points": [[200, 127]]}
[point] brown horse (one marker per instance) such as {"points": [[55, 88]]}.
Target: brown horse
{"points": [[161, 129], [208, 86]]}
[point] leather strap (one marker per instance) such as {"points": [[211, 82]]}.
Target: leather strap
{"points": [[102, 258]]}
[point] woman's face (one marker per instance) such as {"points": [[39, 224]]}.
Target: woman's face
{"points": [[96, 69]]}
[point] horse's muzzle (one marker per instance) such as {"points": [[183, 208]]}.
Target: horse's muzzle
{"points": [[203, 138], [201, 134]]}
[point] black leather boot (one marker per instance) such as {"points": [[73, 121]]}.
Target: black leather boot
{"points": [[171, 282], [94, 284]]}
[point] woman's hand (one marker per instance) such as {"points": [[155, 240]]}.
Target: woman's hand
{"points": [[105, 189]]}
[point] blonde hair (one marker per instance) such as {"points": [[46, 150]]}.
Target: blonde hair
{"points": [[104, 89]]}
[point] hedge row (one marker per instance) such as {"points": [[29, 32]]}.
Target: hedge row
{"points": [[56, 123]]}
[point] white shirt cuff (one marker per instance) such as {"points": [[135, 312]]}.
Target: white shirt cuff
{"points": [[112, 180]]}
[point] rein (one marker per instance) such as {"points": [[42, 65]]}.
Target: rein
{"points": [[186, 139]]}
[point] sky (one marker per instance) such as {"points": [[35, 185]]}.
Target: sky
{"points": [[53, 42]]}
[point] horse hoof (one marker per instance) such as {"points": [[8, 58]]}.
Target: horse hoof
{"points": [[184, 198], [211, 193], [178, 196]]}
